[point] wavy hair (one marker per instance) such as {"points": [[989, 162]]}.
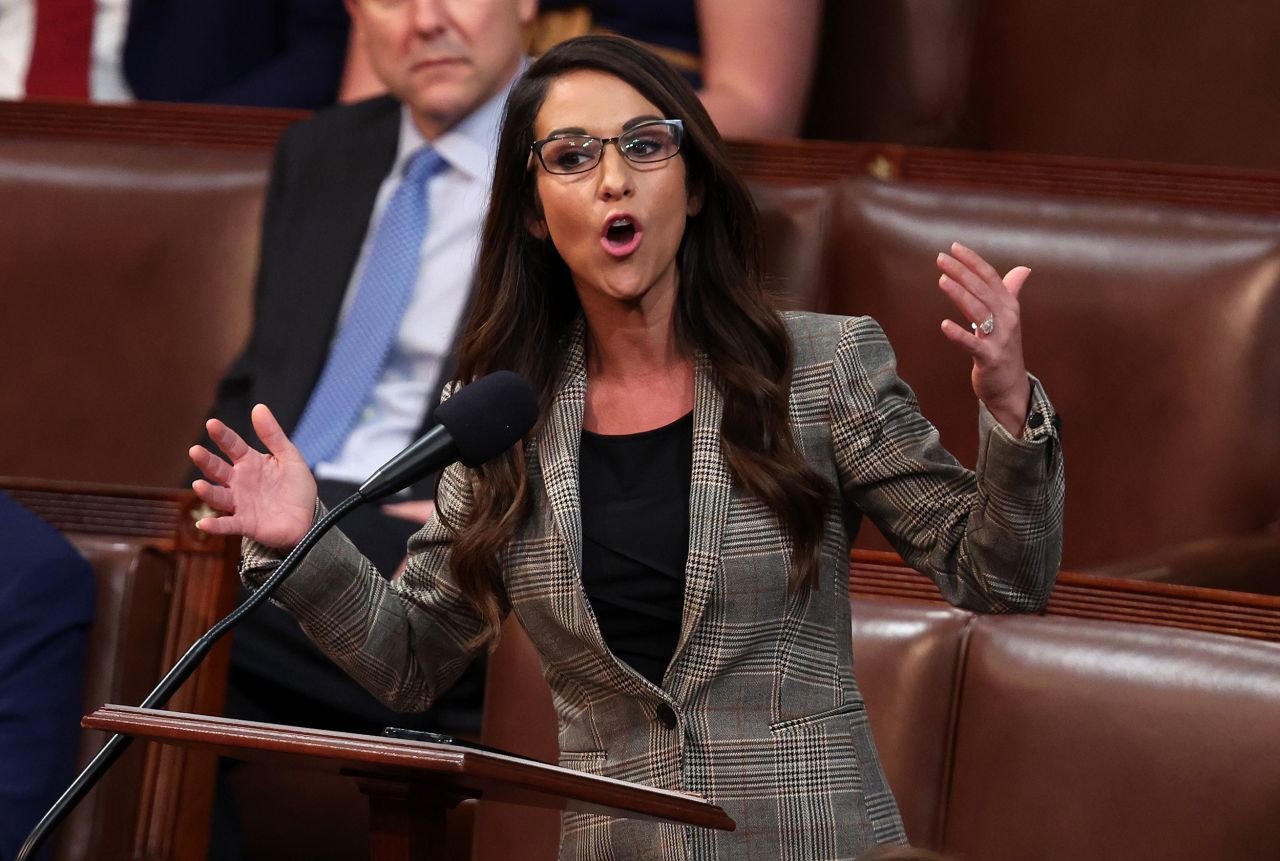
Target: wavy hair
{"points": [[525, 304]]}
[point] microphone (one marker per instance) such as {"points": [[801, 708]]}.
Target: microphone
{"points": [[476, 424]]}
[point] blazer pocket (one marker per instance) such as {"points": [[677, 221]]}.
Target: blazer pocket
{"points": [[791, 724], [584, 836], [590, 761]]}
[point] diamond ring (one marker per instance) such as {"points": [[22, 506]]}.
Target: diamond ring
{"points": [[986, 327]]}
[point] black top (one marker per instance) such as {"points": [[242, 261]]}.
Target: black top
{"points": [[635, 538]]}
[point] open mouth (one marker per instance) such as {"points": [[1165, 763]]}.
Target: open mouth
{"points": [[621, 235]]}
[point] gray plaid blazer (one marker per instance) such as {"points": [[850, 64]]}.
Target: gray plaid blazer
{"points": [[758, 710]]}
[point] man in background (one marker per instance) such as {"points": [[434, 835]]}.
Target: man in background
{"points": [[370, 232], [372, 222]]}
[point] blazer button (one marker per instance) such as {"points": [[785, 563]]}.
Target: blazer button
{"points": [[1035, 419], [667, 716]]}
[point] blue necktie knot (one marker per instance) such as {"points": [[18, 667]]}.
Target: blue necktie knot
{"points": [[421, 166]]}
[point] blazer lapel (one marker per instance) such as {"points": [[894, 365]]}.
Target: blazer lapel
{"points": [[557, 444], [710, 494]]}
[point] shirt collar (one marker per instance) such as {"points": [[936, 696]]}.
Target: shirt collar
{"points": [[470, 145]]}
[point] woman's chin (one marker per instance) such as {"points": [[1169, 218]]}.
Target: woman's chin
{"points": [[628, 285], [629, 293]]}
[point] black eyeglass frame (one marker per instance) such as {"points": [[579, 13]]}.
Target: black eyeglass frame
{"points": [[535, 149]]}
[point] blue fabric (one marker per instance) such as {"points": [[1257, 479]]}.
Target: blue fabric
{"points": [[261, 53], [46, 607], [368, 333]]}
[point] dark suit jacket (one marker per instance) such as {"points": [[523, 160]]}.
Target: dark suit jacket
{"points": [[323, 185], [46, 607], [263, 53]]}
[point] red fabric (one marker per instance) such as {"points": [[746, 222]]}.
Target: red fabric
{"points": [[61, 49]]}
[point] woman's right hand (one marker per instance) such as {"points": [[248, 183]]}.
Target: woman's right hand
{"points": [[270, 498]]}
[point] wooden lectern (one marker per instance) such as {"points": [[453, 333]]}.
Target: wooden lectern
{"points": [[411, 784]]}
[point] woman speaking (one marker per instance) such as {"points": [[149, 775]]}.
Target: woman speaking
{"points": [[674, 533]]}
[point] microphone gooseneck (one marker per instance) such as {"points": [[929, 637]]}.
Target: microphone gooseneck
{"points": [[483, 420]]}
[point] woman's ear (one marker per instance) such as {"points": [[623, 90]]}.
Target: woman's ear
{"points": [[534, 221], [694, 205]]}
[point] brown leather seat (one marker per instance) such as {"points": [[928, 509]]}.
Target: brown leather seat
{"points": [[126, 643], [130, 269], [160, 585], [910, 664], [1150, 326], [1102, 740]]}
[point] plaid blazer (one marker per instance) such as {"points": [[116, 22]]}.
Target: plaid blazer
{"points": [[758, 710]]}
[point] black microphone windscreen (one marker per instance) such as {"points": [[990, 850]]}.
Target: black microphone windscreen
{"points": [[488, 416]]}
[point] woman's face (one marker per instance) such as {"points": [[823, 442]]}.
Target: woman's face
{"points": [[618, 225]]}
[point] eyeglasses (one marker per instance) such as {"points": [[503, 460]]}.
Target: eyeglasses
{"points": [[649, 142]]}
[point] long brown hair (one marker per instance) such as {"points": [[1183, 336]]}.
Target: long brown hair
{"points": [[525, 304]]}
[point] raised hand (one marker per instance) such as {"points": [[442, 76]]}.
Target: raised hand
{"points": [[994, 338], [268, 497]]}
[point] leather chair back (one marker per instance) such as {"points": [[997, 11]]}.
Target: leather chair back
{"points": [[1152, 327], [1104, 740], [794, 221], [160, 585], [134, 588], [130, 268], [909, 660]]}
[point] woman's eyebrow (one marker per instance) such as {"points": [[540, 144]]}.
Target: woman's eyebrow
{"points": [[627, 126], [635, 121]]}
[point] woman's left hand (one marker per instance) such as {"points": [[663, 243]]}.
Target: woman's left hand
{"points": [[995, 339]]}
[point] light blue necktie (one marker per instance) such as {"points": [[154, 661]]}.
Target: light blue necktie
{"points": [[369, 331]]}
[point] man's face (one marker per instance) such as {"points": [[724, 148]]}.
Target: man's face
{"points": [[443, 58]]}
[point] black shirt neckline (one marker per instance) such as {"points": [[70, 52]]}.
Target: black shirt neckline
{"points": [[644, 434]]}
